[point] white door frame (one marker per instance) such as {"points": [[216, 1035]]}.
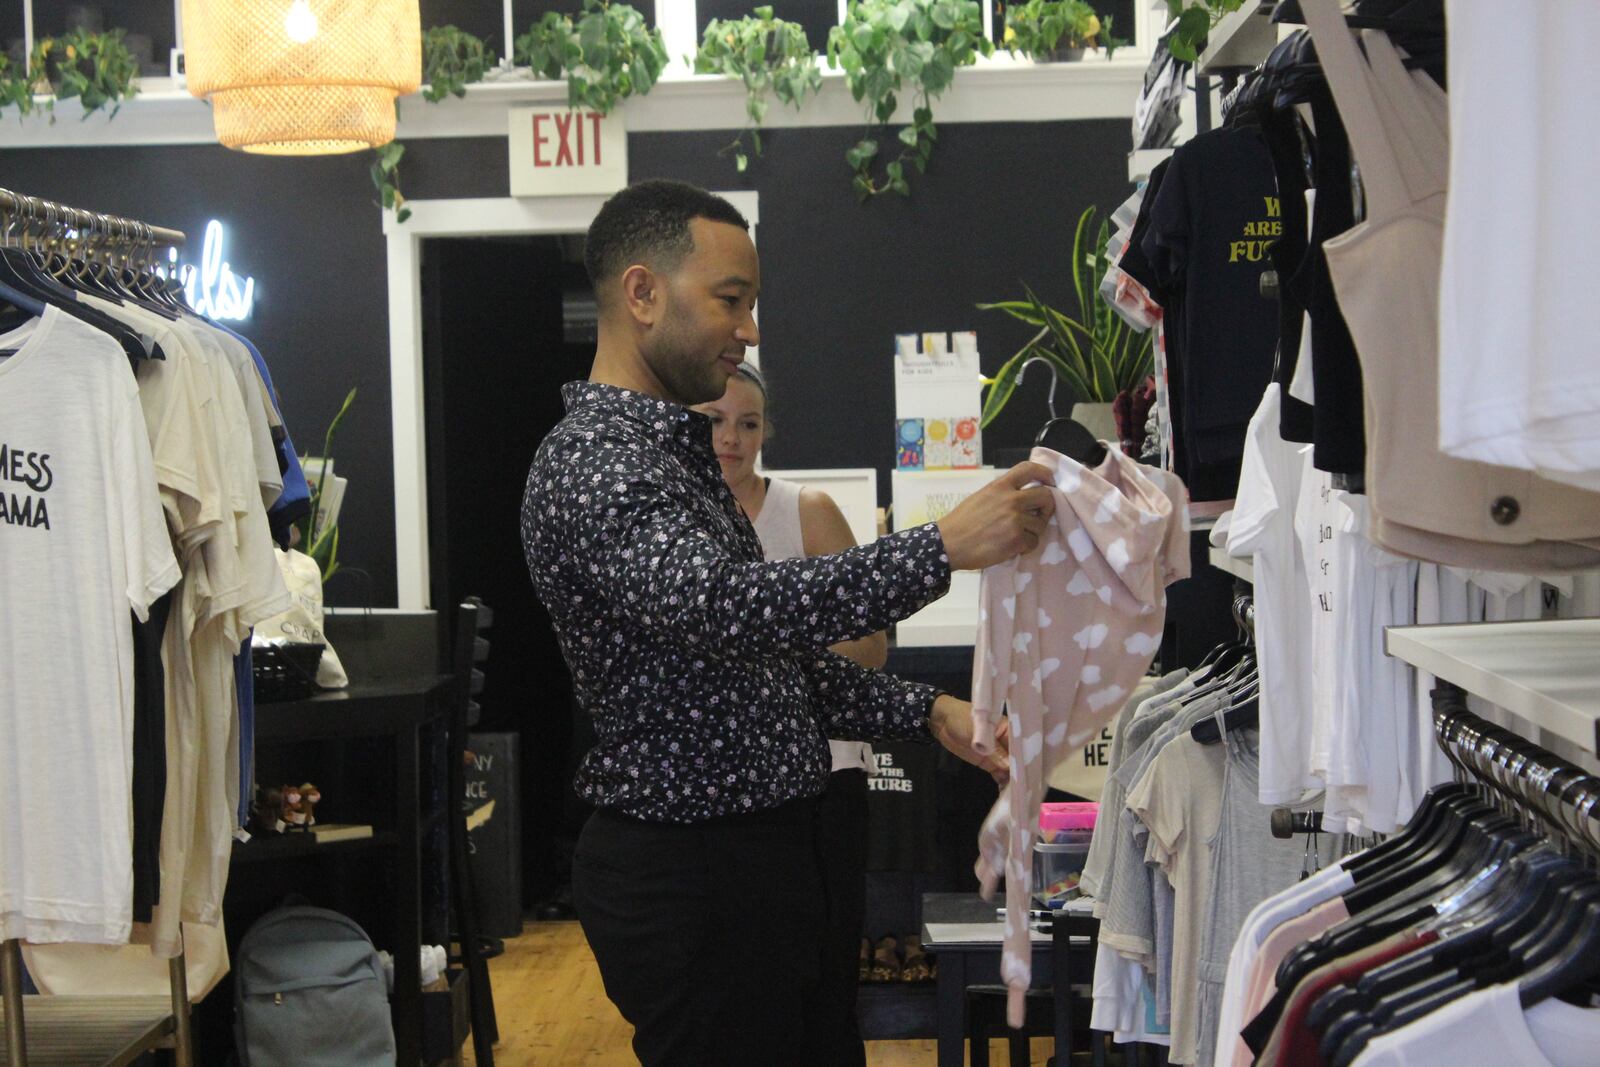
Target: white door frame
{"points": [[485, 217]]}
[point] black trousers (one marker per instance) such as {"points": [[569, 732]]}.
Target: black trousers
{"points": [[712, 938], [842, 856]]}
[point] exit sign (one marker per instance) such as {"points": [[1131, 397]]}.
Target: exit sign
{"points": [[558, 151]]}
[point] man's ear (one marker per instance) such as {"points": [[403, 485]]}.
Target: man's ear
{"points": [[642, 295]]}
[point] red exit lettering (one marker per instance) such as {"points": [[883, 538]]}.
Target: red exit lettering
{"points": [[569, 139]]}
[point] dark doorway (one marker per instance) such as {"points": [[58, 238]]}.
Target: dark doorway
{"points": [[506, 322]]}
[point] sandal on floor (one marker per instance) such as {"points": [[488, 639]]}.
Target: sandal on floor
{"points": [[916, 967], [886, 961], [864, 971]]}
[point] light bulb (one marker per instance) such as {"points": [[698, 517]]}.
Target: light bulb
{"points": [[301, 22]]}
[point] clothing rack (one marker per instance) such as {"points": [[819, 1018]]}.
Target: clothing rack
{"points": [[1244, 613], [93, 227], [1527, 779], [88, 1029]]}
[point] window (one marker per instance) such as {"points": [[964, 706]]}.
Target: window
{"points": [[817, 16], [152, 27], [1120, 12], [481, 18], [525, 13]]}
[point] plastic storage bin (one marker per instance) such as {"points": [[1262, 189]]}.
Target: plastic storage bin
{"points": [[1054, 819], [1058, 864]]}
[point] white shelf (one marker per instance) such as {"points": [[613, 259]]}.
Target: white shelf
{"points": [[1241, 39], [1239, 568], [1142, 161], [999, 88], [1545, 673]]}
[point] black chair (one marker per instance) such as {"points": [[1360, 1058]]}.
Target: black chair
{"points": [[470, 649], [986, 1018]]}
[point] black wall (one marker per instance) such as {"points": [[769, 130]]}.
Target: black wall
{"points": [[839, 279]]}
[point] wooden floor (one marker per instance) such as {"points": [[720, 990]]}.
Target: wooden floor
{"points": [[553, 1010]]}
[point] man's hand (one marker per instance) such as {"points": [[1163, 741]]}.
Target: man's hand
{"points": [[999, 521], [950, 722]]}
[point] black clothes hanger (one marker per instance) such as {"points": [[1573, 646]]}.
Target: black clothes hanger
{"points": [[1245, 716], [1412, 905], [1556, 917], [20, 270], [1073, 439], [1510, 899], [1061, 434], [16, 308]]}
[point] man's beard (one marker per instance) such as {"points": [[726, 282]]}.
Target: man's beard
{"points": [[675, 359]]}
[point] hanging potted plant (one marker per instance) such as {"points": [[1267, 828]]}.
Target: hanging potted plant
{"points": [[1057, 30], [1099, 356], [771, 57], [607, 54], [96, 68], [889, 48]]}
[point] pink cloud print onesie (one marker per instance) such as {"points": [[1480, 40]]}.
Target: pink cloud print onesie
{"points": [[1064, 634]]}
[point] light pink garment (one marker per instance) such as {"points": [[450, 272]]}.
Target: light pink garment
{"points": [[1263, 981], [1064, 634]]}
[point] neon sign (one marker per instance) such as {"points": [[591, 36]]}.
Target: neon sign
{"points": [[212, 289]]}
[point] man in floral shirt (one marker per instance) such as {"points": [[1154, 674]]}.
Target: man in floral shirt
{"points": [[707, 670]]}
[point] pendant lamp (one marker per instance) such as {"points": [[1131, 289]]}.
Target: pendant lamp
{"points": [[302, 77]]}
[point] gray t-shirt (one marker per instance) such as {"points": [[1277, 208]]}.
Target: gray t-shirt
{"points": [[1248, 865], [1092, 880], [1128, 924]]}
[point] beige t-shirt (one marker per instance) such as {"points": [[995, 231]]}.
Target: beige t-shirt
{"points": [[1180, 800]]}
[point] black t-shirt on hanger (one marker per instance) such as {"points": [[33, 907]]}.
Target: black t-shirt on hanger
{"points": [[1339, 426], [1281, 130], [1204, 481], [1212, 223]]}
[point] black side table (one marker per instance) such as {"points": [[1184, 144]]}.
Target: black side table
{"points": [[394, 712]]}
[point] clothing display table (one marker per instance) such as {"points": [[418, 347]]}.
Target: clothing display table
{"points": [[965, 933]]}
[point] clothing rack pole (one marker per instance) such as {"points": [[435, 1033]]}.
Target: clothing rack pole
{"points": [[182, 1023], [1564, 797], [11, 987], [17, 205]]}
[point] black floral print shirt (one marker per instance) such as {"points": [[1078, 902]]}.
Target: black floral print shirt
{"points": [[706, 669]]}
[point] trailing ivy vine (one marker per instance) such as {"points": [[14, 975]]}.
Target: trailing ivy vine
{"points": [[891, 47], [771, 57], [386, 179]]}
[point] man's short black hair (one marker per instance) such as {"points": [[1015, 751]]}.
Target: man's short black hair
{"points": [[649, 223]]}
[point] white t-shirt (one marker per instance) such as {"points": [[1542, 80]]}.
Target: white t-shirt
{"points": [[1263, 529], [1490, 1027], [1317, 518], [83, 542], [1370, 739], [1520, 282]]}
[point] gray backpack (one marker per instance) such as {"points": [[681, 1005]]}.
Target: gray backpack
{"points": [[309, 991]]}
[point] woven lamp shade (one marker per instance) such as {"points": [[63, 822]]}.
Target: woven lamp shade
{"points": [[303, 77]]}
